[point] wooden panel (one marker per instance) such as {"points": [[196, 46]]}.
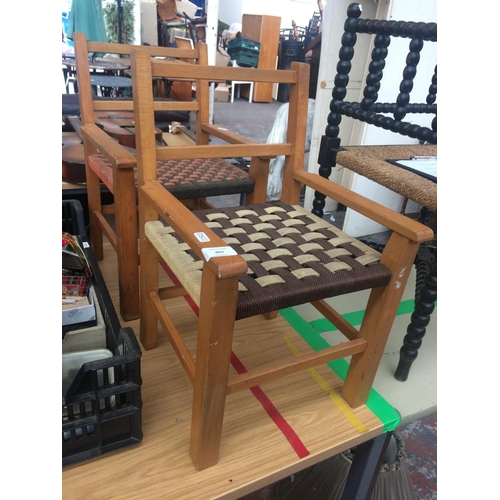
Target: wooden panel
{"points": [[266, 30]]}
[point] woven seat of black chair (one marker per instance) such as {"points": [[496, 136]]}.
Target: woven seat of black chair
{"points": [[198, 178], [290, 253]]}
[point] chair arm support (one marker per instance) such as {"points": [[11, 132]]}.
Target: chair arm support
{"points": [[105, 144], [186, 224], [409, 228], [225, 134], [222, 151]]}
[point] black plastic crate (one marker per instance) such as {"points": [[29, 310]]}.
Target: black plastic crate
{"points": [[101, 410], [73, 218]]}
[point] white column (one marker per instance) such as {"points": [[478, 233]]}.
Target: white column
{"points": [[212, 11], [137, 23]]}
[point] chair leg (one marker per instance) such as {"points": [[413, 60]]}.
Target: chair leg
{"points": [[127, 243], [148, 283], [259, 172], [94, 202], [424, 306], [271, 314], [399, 255], [213, 355]]}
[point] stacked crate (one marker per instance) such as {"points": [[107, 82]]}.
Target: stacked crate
{"points": [[244, 51]]}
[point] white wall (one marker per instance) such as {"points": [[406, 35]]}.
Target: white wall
{"points": [[300, 11]]}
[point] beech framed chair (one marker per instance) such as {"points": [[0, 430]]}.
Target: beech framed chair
{"points": [[240, 262], [114, 165]]}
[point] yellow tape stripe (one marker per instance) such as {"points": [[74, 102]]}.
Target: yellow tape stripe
{"points": [[336, 399]]}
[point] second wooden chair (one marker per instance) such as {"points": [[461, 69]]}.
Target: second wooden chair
{"points": [[109, 163]]}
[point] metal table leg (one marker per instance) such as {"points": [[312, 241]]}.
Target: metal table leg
{"points": [[365, 468]]}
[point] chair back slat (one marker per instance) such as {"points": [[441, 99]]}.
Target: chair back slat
{"points": [[222, 73], [85, 49]]}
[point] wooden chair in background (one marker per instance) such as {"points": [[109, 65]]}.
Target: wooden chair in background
{"points": [[239, 262], [113, 165]]}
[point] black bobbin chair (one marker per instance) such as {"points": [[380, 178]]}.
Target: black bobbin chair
{"points": [[371, 161]]}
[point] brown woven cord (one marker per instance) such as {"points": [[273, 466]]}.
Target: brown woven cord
{"points": [[370, 161], [293, 256], [185, 179], [103, 169]]}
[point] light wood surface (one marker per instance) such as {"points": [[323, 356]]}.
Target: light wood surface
{"points": [[266, 30], [254, 452]]}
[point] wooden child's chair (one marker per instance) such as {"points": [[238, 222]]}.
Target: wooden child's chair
{"points": [[115, 166], [239, 262]]}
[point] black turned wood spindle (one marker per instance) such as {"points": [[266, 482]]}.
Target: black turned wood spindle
{"points": [[330, 142], [409, 73], [424, 306]]}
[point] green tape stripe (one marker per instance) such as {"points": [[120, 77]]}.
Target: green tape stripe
{"points": [[388, 415]]}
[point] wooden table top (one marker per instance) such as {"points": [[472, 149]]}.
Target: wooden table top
{"points": [[255, 451], [103, 63]]}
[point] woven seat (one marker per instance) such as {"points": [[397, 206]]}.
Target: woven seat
{"points": [[187, 179], [290, 254]]}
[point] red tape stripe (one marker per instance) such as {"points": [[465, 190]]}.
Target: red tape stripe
{"points": [[266, 403]]}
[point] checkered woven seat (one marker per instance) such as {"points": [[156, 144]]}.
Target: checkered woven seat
{"points": [[193, 178], [290, 253]]}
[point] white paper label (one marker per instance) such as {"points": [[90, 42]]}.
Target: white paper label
{"points": [[202, 237], [218, 252]]}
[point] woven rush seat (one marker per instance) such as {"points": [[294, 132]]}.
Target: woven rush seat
{"points": [[290, 254], [371, 162], [196, 178]]}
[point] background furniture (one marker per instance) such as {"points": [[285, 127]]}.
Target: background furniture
{"points": [[111, 164], [101, 409], [257, 259], [370, 111], [236, 85], [236, 89], [266, 30]]}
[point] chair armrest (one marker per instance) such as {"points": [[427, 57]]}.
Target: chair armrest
{"points": [[409, 228], [186, 224], [105, 144]]}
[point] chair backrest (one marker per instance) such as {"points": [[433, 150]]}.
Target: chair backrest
{"points": [[85, 49], [368, 110], [143, 69]]}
